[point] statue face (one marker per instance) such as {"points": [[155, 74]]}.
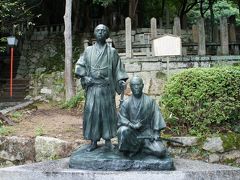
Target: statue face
{"points": [[101, 32], [136, 85]]}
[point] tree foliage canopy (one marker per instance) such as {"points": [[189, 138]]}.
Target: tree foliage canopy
{"points": [[220, 8], [15, 13]]}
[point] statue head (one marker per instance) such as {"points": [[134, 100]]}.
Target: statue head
{"points": [[136, 85], [101, 32]]}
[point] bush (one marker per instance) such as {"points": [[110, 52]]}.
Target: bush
{"points": [[75, 101], [203, 98]]}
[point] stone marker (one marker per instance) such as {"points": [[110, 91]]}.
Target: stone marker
{"points": [[233, 38], [160, 23], [153, 32], [177, 26], [215, 33], [128, 29], [195, 33], [153, 28], [224, 36], [201, 37], [85, 42], [109, 41]]}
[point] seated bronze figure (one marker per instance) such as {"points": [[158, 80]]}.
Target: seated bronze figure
{"points": [[140, 122]]}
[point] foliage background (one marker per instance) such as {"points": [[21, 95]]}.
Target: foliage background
{"points": [[220, 8]]}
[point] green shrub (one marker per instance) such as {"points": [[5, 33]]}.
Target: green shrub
{"points": [[201, 98], [6, 130], [74, 101]]}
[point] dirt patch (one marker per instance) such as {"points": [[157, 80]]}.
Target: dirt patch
{"points": [[48, 120]]}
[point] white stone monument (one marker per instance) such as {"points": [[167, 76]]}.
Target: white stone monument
{"points": [[167, 45]]}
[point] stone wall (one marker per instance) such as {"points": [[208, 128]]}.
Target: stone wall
{"points": [[48, 85], [21, 150], [43, 61], [154, 70], [216, 149], [46, 53], [40, 53]]}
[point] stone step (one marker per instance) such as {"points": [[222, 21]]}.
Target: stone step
{"points": [[16, 87], [20, 88], [12, 99], [15, 81], [59, 170], [15, 93]]}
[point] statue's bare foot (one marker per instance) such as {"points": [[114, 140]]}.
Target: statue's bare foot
{"points": [[92, 146], [109, 145]]}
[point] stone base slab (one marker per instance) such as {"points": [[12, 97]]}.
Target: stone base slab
{"points": [[104, 159], [58, 170]]}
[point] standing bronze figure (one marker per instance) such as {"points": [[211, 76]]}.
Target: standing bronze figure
{"points": [[102, 75]]}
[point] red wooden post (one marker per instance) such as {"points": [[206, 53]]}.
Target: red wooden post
{"points": [[11, 72]]}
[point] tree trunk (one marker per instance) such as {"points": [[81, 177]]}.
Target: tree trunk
{"points": [[132, 5], [76, 12], [68, 51], [162, 8], [212, 18]]}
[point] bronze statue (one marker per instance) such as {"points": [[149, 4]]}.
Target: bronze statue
{"points": [[140, 122], [102, 75]]}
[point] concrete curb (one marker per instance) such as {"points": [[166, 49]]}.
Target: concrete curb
{"points": [[58, 170]]}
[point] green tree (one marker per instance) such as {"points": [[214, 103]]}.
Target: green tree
{"points": [[220, 8], [15, 15], [153, 9], [181, 8], [237, 3]]}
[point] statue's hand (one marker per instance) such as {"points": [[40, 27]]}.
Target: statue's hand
{"points": [[156, 135], [122, 85], [137, 125], [88, 80]]}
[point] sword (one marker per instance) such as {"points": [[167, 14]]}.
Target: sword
{"points": [[151, 138], [122, 95]]}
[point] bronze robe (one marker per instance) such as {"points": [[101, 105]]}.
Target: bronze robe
{"points": [[148, 113], [105, 69]]}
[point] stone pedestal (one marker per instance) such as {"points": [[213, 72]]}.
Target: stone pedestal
{"points": [[105, 159]]}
